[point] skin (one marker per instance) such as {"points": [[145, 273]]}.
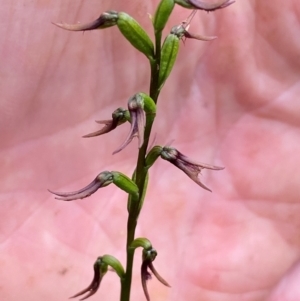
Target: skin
{"points": [[232, 102]]}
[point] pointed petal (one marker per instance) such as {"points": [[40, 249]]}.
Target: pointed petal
{"points": [[81, 27], [201, 165], [145, 277], [81, 193], [140, 116], [155, 273], [92, 288], [191, 173], [131, 134], [198, 37], [109, 126]]}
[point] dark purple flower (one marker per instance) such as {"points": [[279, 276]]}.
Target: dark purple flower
{"points": [[137, 116], [148, 258], [188, 166], [100, 269], [103, 179]]}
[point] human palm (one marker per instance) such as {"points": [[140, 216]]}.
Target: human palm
{"points": [[230, 102]]}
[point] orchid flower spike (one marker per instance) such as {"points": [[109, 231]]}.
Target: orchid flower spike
{"points": [[103, 179], [191, 168], [119, 116], [148, 257]]}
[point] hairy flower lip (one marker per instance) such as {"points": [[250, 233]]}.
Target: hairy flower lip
{"points": [[102, 180], [106, 19], [191, 168]]}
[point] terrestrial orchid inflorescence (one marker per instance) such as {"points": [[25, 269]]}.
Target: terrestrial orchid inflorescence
{"points": [[140, 114]]}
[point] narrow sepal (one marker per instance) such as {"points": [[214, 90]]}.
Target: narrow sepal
{"points": [[181, 32], [155, 273], [191, 168], [106, 19], [135, 34], [152, 156], [125, 183], [119, 117], [103, 179], [162, 14], [100, 269], [169, 53]]}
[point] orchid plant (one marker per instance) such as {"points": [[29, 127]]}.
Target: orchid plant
{"points": [[140, 114]]}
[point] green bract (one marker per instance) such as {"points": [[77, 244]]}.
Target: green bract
{"points": [[168, 56], [141, 242], [152, 156], [125, 183], [135, 34], [162, 14]]}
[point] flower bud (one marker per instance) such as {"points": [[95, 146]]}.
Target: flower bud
{"points": [[135, 34], [168, 56], [162, 14]]}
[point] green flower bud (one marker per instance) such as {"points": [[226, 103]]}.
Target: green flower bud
{"points": [[162, 14], [125, 183], [152, 156], [168, 56], [135, 34], [141, 242], [115, 264]]}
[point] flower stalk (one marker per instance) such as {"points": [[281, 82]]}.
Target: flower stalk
{"points": [[140, 114]]}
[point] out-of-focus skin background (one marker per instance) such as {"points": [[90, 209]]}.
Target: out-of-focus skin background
{"points": [[232, 102]]}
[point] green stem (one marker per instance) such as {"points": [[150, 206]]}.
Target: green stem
{"points": [[140, 175]]}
